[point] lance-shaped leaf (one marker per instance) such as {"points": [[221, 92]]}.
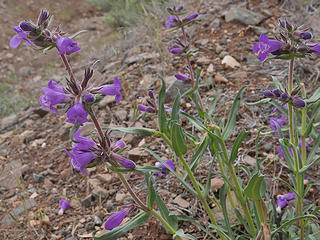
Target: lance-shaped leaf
{"points": [[236, 146], [134, 130], [162, 120], [176, 107], [178, 141], [232, 115], [255, 187]]}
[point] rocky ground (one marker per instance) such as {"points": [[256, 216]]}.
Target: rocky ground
{"points": [[35, 171]]}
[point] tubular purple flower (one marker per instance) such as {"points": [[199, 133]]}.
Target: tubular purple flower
{"points": [[306, 35], [299, 103], [27, 26], [77, 114], [124, 162], [164, 168], [116, 219], [316, 48], [277, 92], [190, 17], [118, 145], [285, 97], [172, 21], [280, 121], [16, 39], [64, 205], [112, 89], [181, 77], [53, 94], [82, 143], [265, 46], [66, 46], [283, 200], [150, 93], [174, 50], [144, 108], [269, 94]]}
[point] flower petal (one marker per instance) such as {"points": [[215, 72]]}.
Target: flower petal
{"points": [[15, 41]]}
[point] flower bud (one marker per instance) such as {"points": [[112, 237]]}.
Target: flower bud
{"points": [[118, 145], [124, 162], [181, 77], [179, 8], [150, 93], [89, 98], [306, 35], [144, 108], [269, 94], [190, 17], [299, 103], [285, 97], [43, 18], [116, 219], [277, 92], [282, 23], [27, 26]]}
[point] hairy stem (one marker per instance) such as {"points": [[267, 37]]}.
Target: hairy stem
{"points": [[68, 67]]}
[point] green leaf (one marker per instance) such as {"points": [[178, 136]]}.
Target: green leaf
{"points": [[314, 149], [151, 192], [181, 233], [195, 98], [162, 120], [307, 167], [262, 101], [253, 189], [77, 33], [232, 115], [178, 141], [223, 202], [315, 97], [176, 107], [292, 221], [199, 151], [277, 83], [220, 230], [243, 134], [139, 219], [74, 128], [147, 169], [213, 105], [165, 213], [134, 130], [287, 184], [208, 185]]}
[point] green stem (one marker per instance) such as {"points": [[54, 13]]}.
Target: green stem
{"points": [[299, 177], [165, 223], [260, 211], [202, 199], [303, 128]]}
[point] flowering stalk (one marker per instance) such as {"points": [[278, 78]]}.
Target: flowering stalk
{"points": [[303, 128]]}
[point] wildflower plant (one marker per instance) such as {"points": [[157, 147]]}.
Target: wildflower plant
{"points": [[253, 214]]}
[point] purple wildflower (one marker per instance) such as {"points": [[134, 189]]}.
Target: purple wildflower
{"points": [[16, 39], [144, 108], [281, 153], [77, 114], [116, 219], [190, 17], [164, 168], [89, 98], [306, 35], [299, 103], [112, 89], [118, 145], [150, 94], [66, 46], [280, 121], [64, 205], [53, 94], [265, 46], [283, 200], [181, 77], [269, 94], [172, 21], [124, 162], [82, 152], [175, 49], [27, 26], [316, 48]]}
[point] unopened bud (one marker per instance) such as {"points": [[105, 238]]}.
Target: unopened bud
{"points": [[27, 26], [277, 92], [285, 97], [269, 94], [89, 98], [150, 93], [306, 35], [43, 18], [299, 103]]}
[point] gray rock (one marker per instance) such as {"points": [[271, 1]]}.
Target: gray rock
{"points": [[252, 60], [259, 30], [10, 175], [243, 16], [172, 89], [202, 42], [97, 220], [215, 24], [18, 211], [268, 147], [88, 200], [140, 57], [37, 178], [223, 54]]}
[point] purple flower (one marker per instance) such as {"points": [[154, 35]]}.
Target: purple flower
{"points": [[280, 121], [144, 108], [316, 49], [27, 26], [66, 46], [118, 145], [112, 89], [283, 200], [281, 153], [265, 46], [116, 219], [89, 98], [164, 168], [299, 103], [175, 49], [53, 94], [77, 114], [82, 152], [181, 77], [150, 93], [306, 35], [269, 94], [64, 205], [190, 17], [124, 162], [16, 39], [172, 21]]}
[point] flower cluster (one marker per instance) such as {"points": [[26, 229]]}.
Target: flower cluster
{"points": [[285, 97]]}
